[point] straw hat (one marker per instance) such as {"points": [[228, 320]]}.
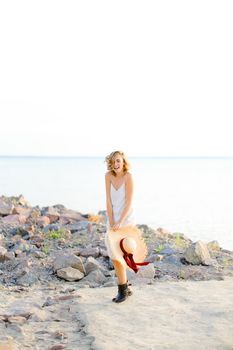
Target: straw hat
{"points": [[127, 246]]}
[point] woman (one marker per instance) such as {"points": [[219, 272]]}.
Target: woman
{"points": [[119, 195]]}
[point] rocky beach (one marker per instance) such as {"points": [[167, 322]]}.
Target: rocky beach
{"points": [[57, 284]]}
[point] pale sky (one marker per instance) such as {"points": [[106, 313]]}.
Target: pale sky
{"points": [[84, 78]]}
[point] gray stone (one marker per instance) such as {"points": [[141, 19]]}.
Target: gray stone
{"points": [[213, 245], [6, 208], [91, 265], [39, 255], [3, 252], [68, 260], [9, 255], [167, 251], [198, 253], [96, 276], [147, 271], [70, 274], [80, 225], [95, 252], [28, 278]]}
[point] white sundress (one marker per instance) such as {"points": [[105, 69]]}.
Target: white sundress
{"points": [[118, 204]]}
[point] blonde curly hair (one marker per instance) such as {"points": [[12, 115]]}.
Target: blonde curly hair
{"points": [[109, 159]]}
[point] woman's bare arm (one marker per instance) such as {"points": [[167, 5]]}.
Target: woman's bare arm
{"points": [[108, 199]]}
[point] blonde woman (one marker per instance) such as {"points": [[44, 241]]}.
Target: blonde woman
{"points": [[120, 212]]}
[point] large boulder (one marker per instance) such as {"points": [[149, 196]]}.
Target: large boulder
{"points": [[14, 219], [198, 253], [96, 277], [6, 207], [91, 264], [68, 260], [51, 212], [90, 251], [70, 274], [147, 272]]}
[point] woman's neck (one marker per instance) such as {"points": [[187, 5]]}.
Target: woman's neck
{"points": [[120, 175]]}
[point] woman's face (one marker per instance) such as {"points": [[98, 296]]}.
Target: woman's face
{"points": [[118, 163]]}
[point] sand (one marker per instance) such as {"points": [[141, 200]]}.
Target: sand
{"points": [[186, 315]]}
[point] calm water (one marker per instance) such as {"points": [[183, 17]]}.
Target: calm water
{"points": [[189, 195]]}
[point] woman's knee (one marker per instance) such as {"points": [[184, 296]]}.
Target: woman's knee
{"points": [[117, 264]]}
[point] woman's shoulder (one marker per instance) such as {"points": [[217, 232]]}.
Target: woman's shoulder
{"points": [[128, 175], [107, 174]]}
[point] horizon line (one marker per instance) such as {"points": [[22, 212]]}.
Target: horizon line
{"points": [[157, 157]]}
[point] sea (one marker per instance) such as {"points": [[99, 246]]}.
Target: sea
{"points": [[193, 196]]}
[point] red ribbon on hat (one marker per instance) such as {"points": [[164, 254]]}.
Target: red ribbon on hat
{"points": [[129, 259]]}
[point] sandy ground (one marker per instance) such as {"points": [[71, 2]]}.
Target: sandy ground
{"points": [[167, 315], [186, 315]]}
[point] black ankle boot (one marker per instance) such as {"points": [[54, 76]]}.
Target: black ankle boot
{"points": [[122, 293], [129, 292]]}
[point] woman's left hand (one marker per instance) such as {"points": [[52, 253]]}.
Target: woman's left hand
{"points": [[116, 225]]}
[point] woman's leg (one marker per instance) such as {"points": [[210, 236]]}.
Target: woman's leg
{"points": [[120, 272]]}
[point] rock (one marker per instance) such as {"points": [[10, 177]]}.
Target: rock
{"points": [[51, 301], [213, 245], [91, 265], [174, 260], [17, 319], [79, 226], [158, 257], [37, 240], [22, 211], [147, 271], [60, 335], [68, 260], [57, 347], [94, 252], [96, 277], [197, 253], [71, 216], [52, 227], [9, 256], [167, 251], [43, 221], [103, 252], [22, 200], [3, 252], [14, 219], [24, 247], [104, 216], [21, 232], [110, 284], [39, 255], [6, 207], [70, 274], [29, 278], [52, 213]]}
